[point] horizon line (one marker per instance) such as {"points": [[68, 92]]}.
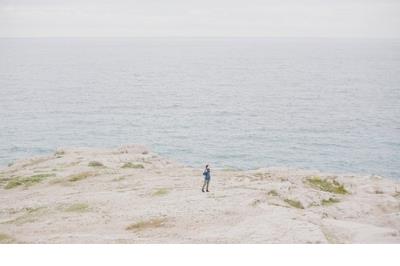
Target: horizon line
{"points": [[201, 37]]}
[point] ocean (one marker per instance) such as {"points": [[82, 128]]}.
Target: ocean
{"points": [[326, 104]]}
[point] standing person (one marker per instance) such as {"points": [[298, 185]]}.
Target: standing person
{"points": [[207, 177]]}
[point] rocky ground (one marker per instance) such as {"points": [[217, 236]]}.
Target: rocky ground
{"points": [[131, 195]]}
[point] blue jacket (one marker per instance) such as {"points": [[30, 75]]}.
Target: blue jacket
{"points": [[207, 174]]}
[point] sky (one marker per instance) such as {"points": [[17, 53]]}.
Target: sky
{"points": [[190, 18]]}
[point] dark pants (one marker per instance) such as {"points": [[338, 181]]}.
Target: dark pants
{"points": [[206, 182]]}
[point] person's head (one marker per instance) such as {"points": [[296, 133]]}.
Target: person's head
{"points": [[206, 166]]}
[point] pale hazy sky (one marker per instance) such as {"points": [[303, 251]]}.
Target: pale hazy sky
{"points": [[282, 18]]}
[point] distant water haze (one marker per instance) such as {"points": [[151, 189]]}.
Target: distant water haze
{"points": [[328, 104], [188, 18]]}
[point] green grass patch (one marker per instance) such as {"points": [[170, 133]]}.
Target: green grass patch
{"points": [[80, 176], [327, 185], [132, 165], [273, 193], [27, 181], [95, 164], [78, 207], [30, 215], [329, 201], [148, 224], [160, 192], [294, 203], [13, 183], [4, 180], [5, 239]]}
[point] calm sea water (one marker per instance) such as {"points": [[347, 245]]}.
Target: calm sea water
{"points": [[328, 104]]}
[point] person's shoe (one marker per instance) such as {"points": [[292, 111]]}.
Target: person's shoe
{"points": [[202, 190], [207, 191]]}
